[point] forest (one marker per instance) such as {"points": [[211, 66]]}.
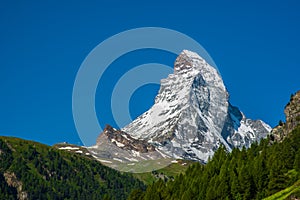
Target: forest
{"points": [[43, 172], [255, 173]]}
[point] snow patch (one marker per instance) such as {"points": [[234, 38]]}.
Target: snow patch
{"points": [[131, 164], [131, 159], [119, 144], [117, 159], [104, 161], [68, 148]]}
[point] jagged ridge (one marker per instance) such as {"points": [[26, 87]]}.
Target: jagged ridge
{"points": [[192, 115]]}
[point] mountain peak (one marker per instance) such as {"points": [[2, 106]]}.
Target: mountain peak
{"points": [[186, 60], [192, 116]]}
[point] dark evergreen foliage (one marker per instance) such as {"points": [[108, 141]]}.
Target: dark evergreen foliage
{"points": [[48, 173], [258, 172]]}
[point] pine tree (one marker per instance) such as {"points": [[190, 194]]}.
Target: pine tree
{"points": [[297, 161], [260, 174], [223, 185], [234, 182], [211, 193], [277, 179]]}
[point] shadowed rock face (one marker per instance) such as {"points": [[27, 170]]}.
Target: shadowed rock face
{"points": [[191, 116]]}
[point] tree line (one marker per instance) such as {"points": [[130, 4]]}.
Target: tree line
{"points": [[253, 173]]}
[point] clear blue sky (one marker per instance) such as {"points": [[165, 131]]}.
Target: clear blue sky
{"points": [[255, 45]]}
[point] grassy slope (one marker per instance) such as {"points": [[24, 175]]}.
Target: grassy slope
{"points": [[170, 171], [286, 193]]}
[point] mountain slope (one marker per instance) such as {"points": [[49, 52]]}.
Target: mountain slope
{"points": [[291, 192], [256, 173], [190, 119], [29, 170], [269, 170]]}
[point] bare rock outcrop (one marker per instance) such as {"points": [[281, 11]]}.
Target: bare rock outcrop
{"points": [[292, 115], [11, 180]]}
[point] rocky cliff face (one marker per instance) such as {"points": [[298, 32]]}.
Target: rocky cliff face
{"points": [[115, 146], [241, 131], [12, 180], [292, 117], [191, 116], [125, 141], [292, 112]]}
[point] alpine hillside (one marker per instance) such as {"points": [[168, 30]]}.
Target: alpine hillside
{"points": [[30, 170]]}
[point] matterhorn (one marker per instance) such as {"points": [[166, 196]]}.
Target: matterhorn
{"points": [[190, 119]]}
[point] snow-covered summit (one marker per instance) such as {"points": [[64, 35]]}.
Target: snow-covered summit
{"points": [[192, 116], [185, 61]]}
